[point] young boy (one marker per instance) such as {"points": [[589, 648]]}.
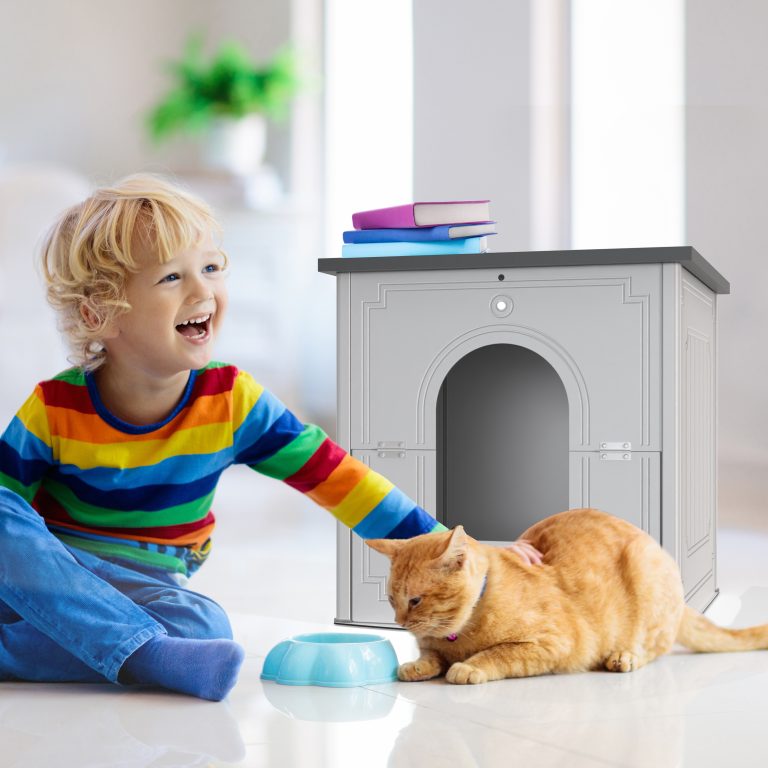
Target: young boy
{"points": [[108, 470]]}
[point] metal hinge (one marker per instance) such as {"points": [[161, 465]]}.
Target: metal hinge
{"points": [[390, 449], [615, 451]]}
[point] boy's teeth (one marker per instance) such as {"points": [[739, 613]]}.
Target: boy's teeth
{"points": [[194, 328], [198, 320]]}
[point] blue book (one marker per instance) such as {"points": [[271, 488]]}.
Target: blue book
{"points": [[434, 248], [419, 234]]}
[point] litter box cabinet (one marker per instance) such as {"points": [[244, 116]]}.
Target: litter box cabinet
{"points": [[496, 389]]}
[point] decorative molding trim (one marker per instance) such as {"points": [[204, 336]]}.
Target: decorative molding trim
{"points": [[643, 299], [548, 348], [645, 493], [565, 366], [582, 471], [698, 494]]}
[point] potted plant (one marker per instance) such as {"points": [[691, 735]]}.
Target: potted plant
{"points": [[226, 98]]}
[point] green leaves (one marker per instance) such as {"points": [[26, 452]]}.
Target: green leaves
{"points": [[230, 84]]}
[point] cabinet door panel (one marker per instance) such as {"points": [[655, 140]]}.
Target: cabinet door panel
{"points": [[698, 495], [629, 489], [598, 327], [414, 473]]}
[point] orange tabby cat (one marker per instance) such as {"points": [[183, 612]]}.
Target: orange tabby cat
{"points": [[607, 596]]}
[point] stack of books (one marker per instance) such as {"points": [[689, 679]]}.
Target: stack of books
{"points": [[420, 229]]}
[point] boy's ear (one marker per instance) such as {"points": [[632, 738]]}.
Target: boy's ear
{"points": [[93, 321], [387, 547], [455, 554]]}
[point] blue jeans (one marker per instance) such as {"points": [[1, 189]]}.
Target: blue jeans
{"points": [[67, 615]]}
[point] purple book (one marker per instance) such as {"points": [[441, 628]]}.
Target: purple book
{"points": [[424, 215]]}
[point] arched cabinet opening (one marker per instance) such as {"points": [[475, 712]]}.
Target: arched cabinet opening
{"points": [[502, 442]]}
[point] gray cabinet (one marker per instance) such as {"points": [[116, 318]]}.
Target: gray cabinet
{"points": [[499, 388]]}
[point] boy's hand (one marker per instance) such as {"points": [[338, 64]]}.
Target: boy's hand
{"points": [[526, 551]]}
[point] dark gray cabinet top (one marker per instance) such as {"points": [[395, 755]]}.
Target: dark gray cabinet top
{"points": [[686, 256]]}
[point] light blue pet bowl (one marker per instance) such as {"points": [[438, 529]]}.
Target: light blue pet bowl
{"points": [[331, 659]]}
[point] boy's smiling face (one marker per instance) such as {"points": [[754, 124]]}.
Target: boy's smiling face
{"points": [[176, 311]]}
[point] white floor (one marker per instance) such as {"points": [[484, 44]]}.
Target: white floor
{"points": [[273, 569]]}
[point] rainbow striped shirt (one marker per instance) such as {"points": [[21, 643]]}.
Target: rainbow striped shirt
{"points": [[144, 493]]}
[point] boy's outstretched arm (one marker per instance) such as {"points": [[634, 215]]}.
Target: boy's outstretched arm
{"points": [[304, 457], [271, 440]]}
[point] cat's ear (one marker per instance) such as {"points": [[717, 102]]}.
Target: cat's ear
{"points": [[455, 554], [387, 547]]}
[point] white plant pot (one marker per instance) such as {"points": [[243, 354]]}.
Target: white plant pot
{"points": [[236, 146]]}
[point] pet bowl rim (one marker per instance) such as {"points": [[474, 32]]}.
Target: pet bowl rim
{"points": [[345, 643]]}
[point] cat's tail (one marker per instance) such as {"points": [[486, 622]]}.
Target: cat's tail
{"points": [[699, 634]]}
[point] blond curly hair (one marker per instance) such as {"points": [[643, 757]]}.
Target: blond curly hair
{"points": [[87, 254]]}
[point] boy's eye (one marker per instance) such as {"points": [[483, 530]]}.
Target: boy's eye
{"points": [[172, 278], [212, 268]]}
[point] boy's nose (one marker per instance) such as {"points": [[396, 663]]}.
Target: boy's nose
{"points": [[199, 291]]}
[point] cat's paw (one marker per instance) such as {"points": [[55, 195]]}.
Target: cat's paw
{"points": [[465, 674], [621, 661], [414, 671]]}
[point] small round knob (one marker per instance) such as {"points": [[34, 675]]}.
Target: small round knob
{"points": [[501, 305]]}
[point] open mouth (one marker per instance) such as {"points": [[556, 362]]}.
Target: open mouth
{"points": [[195, 328]]}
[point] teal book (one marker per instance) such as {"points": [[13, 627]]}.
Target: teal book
{"points": [[419, 234], [433, 248]]}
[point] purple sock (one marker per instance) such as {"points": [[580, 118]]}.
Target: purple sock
{"points": [[203, 668]]}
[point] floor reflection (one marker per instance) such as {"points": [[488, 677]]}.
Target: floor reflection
{"points": [[98, 727], [330, 705], [689, 710]]}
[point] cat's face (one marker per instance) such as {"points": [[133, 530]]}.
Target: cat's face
{"points": [[432, 582]]}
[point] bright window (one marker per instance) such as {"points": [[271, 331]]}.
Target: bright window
{"points": [[627, 143], [369, 109]]}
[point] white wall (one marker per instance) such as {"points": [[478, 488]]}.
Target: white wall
{"points": [[727, 205], [627, 118], [79, 77], [472, 100]]}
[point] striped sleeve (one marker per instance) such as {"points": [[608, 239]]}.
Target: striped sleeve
{"points": [[271, 440], [25, 448]]}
